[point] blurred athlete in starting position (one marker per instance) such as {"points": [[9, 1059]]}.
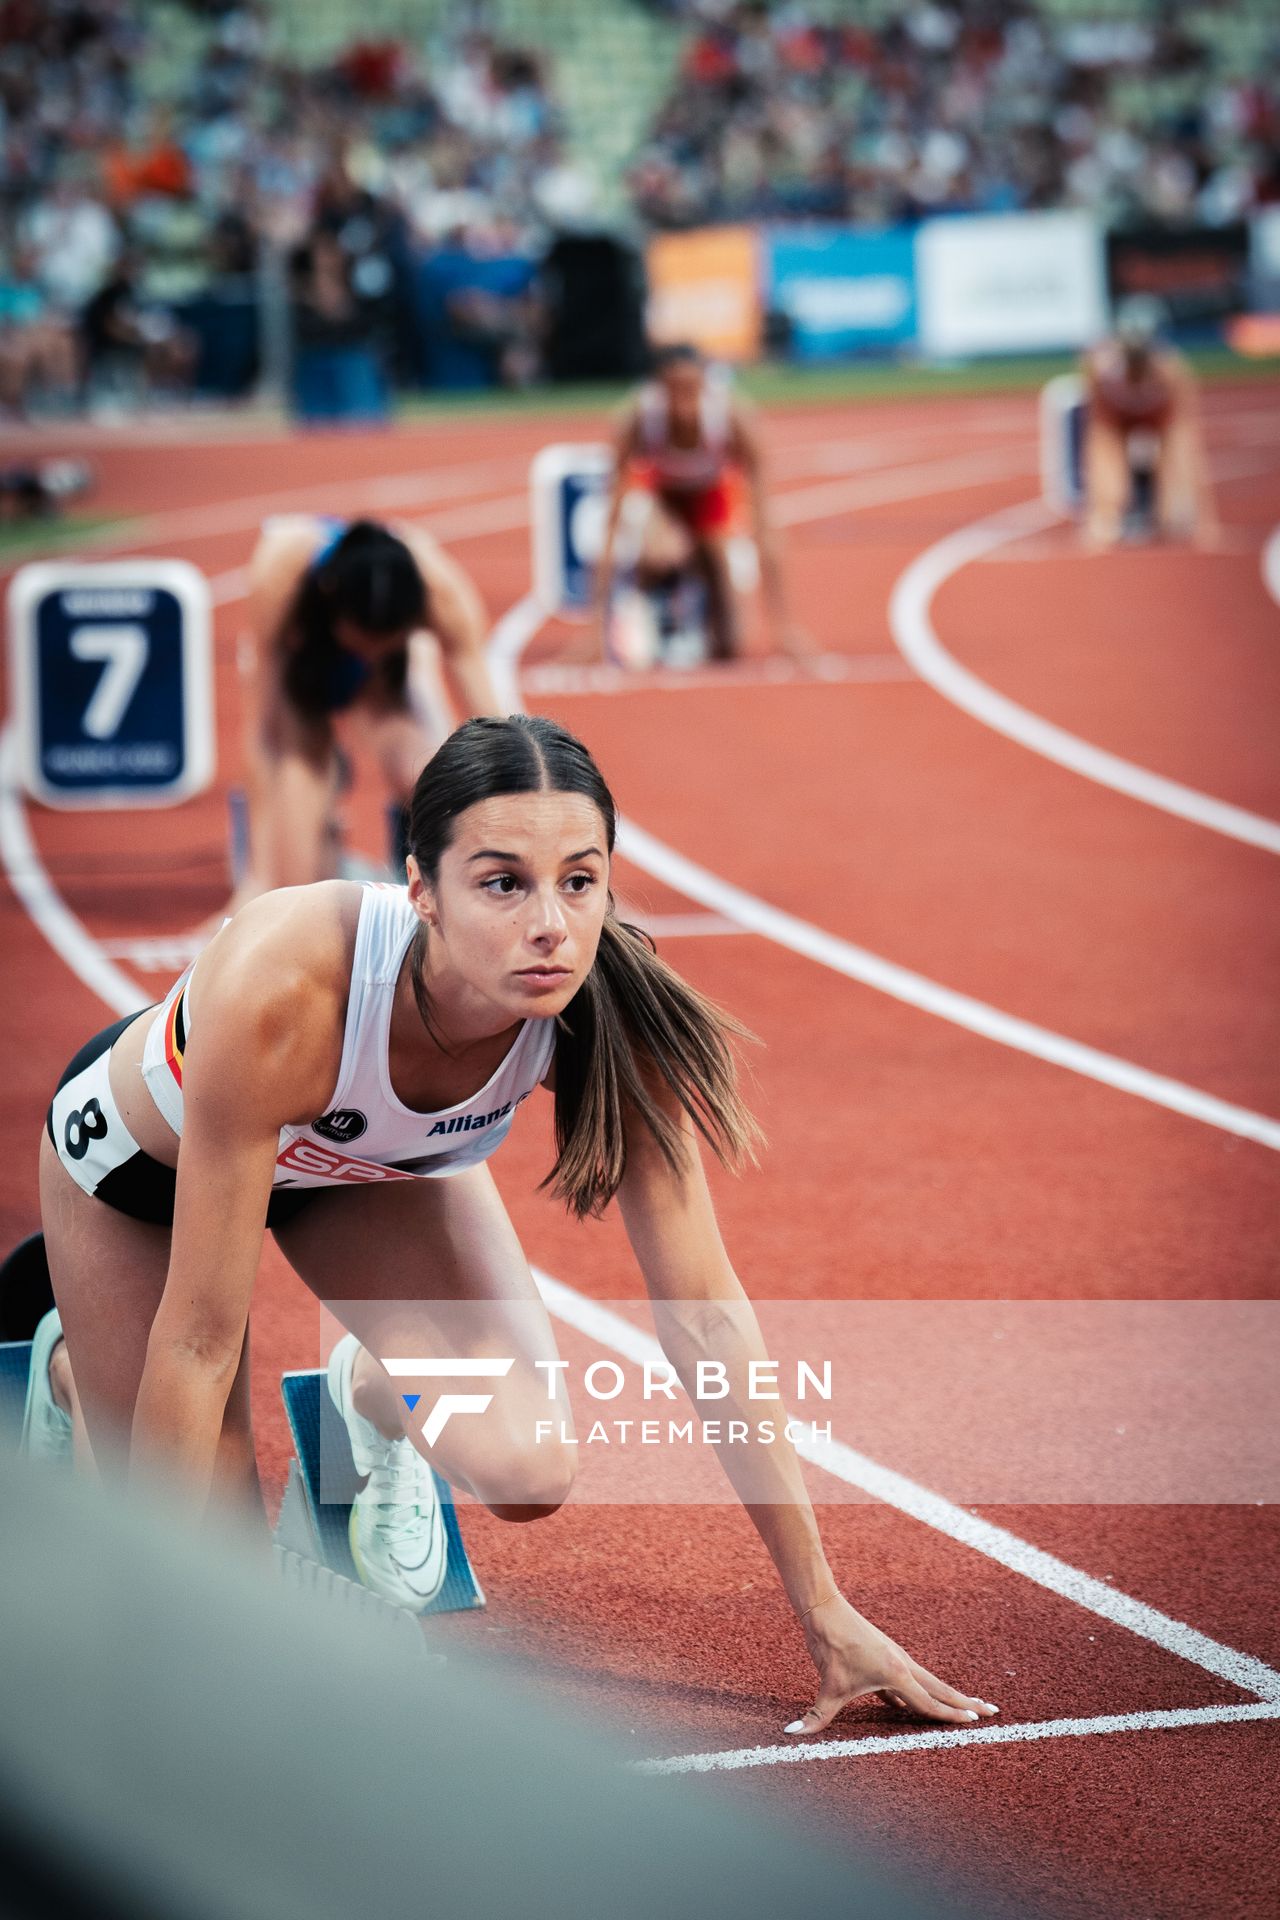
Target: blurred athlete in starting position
{"points": [[349, 622], [684, 438], [1144, 448]]}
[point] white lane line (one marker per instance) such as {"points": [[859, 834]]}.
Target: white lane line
{"points": [[909, 621], [923, 479], [1271, 564], [800, 1753], [609, 1329], [871, 669], [683, 926], [69, 938], [513, 633], [382, 492], [917, 990], [27, 876]]}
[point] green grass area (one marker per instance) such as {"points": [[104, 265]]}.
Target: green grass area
{"points": [[31, 539], [773, 384]]}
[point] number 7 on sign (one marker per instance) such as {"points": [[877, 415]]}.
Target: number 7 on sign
{"points": [[123, 649]]}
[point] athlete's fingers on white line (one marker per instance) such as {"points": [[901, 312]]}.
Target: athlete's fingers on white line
{"points": [[920, 1700], [941, 1691]]}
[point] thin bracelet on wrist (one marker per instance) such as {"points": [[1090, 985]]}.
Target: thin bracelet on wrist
{"points": [[819, 1603]]}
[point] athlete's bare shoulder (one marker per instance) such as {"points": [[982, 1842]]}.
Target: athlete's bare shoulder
{"points": [[302, 936], [269, 993], [285, 547]]}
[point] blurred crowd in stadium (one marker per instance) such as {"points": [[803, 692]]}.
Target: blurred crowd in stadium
{"points": [[154, 158], [986, 105], [146, 154]]}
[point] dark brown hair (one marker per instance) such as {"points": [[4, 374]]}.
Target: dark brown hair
{"points": [[633, 1018], [369, 577]]}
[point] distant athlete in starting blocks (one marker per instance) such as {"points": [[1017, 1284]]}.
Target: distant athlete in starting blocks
{"points": [[349, 623], [690, 444], [1145, 469]]}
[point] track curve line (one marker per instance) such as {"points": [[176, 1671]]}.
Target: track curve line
{"points": [[512, 634], [915, 637], [1271, 564]]}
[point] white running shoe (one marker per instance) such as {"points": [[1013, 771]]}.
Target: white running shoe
{"points": [[397, 1531], [46, 1428]]}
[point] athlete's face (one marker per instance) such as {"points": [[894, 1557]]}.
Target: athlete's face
{"points": [[514, 917]]}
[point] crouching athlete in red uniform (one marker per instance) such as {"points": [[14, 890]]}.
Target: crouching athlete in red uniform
{"points": [[1144, 436], [308, 1072], [685, 438]]}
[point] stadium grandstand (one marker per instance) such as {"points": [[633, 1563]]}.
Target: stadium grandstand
{"points": [[171, 174]]}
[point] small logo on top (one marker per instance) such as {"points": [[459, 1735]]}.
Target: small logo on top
{"points": [[344, 1124]]}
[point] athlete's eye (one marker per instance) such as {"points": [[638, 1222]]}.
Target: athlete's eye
{"points": [[580, 882], [504, 884]]}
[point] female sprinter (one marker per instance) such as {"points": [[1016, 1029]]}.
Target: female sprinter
{"points": [[346, 624], [311, 1070]]}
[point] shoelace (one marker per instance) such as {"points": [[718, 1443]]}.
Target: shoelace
{"points": [[406, 1478]]}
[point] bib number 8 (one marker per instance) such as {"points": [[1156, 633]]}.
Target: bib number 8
{"points": [[83, 1125]]}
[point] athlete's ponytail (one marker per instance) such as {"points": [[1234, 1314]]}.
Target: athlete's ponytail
{"points": [[633, 1019]]}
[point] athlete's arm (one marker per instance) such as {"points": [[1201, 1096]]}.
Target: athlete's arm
{"points": [[749, 454], [286, 754], [276, 567], [703, 1314], [460, 624], [269, 998]]}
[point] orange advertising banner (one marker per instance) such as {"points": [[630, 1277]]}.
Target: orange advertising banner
{"points": [[705, 287]]}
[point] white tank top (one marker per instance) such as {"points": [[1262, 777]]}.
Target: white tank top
{"points": [[687, 467], [366, 1134]]}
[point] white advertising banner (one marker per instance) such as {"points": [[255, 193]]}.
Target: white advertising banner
{"points": [[1010, 283]]}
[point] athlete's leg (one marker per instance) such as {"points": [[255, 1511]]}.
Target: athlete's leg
{"points": [[108, 1273], [401, 744], [711, 553], [1106, 482], [1177, 480], [433, 1268]]}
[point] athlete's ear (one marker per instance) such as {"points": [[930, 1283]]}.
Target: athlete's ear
{"points": [[421, 893]]}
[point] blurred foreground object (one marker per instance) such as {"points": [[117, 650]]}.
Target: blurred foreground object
{"points": [[185, 1734]]}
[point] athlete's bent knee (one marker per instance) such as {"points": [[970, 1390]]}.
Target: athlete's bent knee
{"points": [[531, 1487]]}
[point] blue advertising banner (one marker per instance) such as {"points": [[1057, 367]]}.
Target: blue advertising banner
{"points": [[842, 291]]}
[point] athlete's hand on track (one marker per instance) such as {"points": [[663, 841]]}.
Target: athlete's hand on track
{"points": [[853, 1657]]}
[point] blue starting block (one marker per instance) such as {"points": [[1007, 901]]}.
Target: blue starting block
{"points": [[316, 1511], [1064, 418]]}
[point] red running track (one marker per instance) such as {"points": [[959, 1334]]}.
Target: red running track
{"points": [[910, 1159]]}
